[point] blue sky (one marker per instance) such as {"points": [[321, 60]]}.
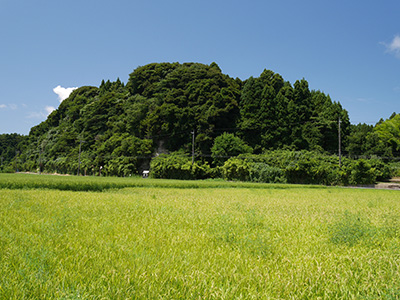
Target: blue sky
{"points": [[347, 49]]}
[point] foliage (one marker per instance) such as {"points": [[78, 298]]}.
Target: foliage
{"points": [[177, 166], [236, 169], [226, 146], [11, 146], [187, 97], [275, 114], [383, 171], [304, 167], [122, 154], [381, 140], [117, 129], [384, 140], [357, 139], [261, 172], [362, 173], [301, 166]]}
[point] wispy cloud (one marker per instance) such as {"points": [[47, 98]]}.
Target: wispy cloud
{"points": [[9, 106], [394, 46], [63, 93], [36, 115], [40, 114], [49, 109]]}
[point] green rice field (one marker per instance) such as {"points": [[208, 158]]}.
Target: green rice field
{"points": [[132, 238]]}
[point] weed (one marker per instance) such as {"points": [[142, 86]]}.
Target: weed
{"points": [[350, 228]]}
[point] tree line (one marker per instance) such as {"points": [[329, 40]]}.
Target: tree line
{"points": [[116, 129]]}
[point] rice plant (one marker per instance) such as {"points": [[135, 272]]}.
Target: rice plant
{"points": [[199, 243]]}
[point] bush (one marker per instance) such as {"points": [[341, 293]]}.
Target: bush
{"points": [[302, 166], [261, 172], [383, 171], [299, 172], [279, 166], [362, 173], [7, 169], [177, 166], [236, 169], [395, 169], [311, 168], [228, 145]]}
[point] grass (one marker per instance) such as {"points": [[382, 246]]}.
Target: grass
{"points": [[153, 242], [91, 183]]}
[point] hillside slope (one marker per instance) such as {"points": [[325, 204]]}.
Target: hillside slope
{"points": [[120, 127]]}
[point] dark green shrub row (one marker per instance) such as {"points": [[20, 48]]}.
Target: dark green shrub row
{"points": [[178, 166], [7, 169], [304, 167]]}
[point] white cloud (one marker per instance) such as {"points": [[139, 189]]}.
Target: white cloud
{"points": [[36, 115], [394, 46], [49, 109], [9, 106], [63, 93], [41, 114]]}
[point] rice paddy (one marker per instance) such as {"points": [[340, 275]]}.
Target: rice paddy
{"points": [[147, 239]]}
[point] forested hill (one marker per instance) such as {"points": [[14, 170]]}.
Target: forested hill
{"points": [[120, 127]]}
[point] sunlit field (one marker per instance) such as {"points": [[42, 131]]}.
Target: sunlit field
{"points": [[147, 239]]}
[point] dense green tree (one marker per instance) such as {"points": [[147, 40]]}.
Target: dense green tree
{"points": [[384, 140], [263, 110], [188, 97], [11, 147], [163, 103], [357, 139], [228, 145], [250, 121]]}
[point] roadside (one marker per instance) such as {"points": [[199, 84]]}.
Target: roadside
{"points": [[393, 184]]}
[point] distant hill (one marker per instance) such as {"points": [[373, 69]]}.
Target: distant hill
{"points": [[119, 127]]}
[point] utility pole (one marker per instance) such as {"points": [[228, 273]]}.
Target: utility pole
{"points": [[192, 147], [340, 143]]}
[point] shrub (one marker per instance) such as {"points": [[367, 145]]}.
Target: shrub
{"points": [[177, 166], [7, 169], [395, 169], [299, 172], [382, 170], [362, 173], [227, 145], [236, 169], [261, 172]]}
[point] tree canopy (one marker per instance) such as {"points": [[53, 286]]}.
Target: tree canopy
{"points": [[118, 128]]}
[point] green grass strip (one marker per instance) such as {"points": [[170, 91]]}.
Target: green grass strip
{"points": [[98, 184]]}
